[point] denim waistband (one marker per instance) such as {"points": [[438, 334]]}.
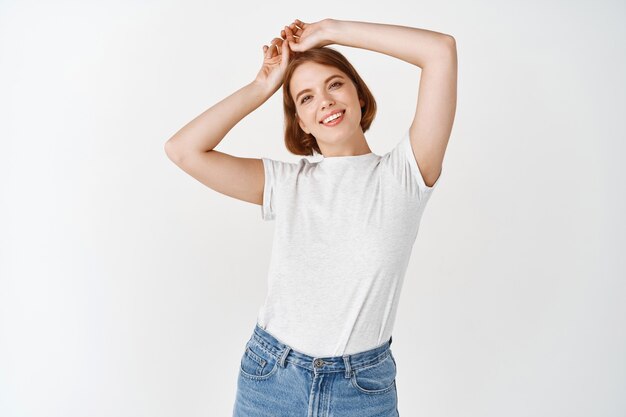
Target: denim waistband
{"points": [[345, 363]]}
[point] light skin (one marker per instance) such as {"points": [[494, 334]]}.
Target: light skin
{"points": [[433, 52], [193, 147], [322, 98]]}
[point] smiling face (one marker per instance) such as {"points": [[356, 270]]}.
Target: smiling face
{"points": [[319, 90]]}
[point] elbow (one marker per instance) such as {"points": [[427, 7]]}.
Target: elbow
{"points": [[447, 52], [168, 146], [451, 42], [447, 39], [171, 152]]}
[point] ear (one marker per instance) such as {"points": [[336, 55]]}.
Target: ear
{"points": [[362, 102]]}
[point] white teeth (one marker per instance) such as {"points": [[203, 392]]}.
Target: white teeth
{"points": [[333, 117]]}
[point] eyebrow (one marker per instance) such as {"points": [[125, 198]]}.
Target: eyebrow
{"points": [[325, 81]]}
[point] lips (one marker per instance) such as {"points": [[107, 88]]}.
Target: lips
{"points": [[330, 114]]}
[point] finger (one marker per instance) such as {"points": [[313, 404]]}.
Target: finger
{"points": [[273, 47], [285, 55], [285, 49], [291, 38], [295, 30], [294, 46], [290, 34]]}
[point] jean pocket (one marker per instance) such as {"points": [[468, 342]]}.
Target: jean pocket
{"points": [[257, 362], [378, 378]]}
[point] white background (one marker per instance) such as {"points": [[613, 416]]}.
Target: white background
{"points": [[127, 288]]}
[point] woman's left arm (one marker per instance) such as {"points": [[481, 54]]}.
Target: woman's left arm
{"points": [[435, 54]]}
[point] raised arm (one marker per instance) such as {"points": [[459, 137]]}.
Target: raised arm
{"points": [[207, 130], [434, 53], [192, 147]]}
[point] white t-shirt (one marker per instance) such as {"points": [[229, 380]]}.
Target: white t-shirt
{"points": [[345, 228]]}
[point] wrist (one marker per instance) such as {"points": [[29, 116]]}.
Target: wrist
{"points": [[331, 30], [262, 89]]}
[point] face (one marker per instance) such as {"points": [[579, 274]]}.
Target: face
{"points": [[318, 90]]}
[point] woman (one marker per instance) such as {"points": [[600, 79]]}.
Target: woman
{"points": [[345, 225]]}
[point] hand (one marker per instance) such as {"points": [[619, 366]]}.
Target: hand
{"points": [[302, 36], [275, 61]]}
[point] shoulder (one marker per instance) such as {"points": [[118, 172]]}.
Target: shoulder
{"points": [[401, 162], [276, 163], [275, 168]]}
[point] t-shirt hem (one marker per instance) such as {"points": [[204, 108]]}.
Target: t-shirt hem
{"points": [[266, 207]]}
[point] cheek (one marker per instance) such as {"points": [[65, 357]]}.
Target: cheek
{"points": [[311, 118]]}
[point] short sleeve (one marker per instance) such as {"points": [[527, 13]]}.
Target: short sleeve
{"points": [[267, 208], [404, 167], [279, 190]]}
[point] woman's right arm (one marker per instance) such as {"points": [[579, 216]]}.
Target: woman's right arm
{"points": [[192, 148], [207, 130]]}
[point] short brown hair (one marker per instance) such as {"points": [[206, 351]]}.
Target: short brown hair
{"points": [[299, 142]]}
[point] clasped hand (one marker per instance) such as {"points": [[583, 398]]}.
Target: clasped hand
{"points": [[297, 37]]}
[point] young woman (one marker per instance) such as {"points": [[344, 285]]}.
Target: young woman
{"points": [[345, 225]]}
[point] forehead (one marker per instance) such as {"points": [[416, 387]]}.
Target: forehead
{"points": [[310, 74]]}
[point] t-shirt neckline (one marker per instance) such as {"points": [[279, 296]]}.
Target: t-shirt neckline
{"points": [[332, 160]]}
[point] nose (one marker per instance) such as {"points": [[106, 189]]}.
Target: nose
{"points": [[326, 102]]}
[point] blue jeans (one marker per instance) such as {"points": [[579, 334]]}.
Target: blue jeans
{"points": [[277, 381]]}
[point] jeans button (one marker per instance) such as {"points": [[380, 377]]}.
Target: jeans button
{"points": [[318, 363]]}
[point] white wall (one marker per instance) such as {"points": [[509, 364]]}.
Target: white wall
{"points": [[127, 288]]}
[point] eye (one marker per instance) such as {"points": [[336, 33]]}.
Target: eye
{"points": [[336, 82]]}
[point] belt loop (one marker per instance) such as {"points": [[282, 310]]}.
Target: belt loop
{"points": [[346, 361], [283, 357]]}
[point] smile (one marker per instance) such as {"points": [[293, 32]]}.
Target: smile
{"points": [[334, 119]]}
